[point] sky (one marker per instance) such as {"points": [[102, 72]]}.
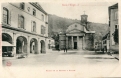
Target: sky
{"points": [[97, 11]]}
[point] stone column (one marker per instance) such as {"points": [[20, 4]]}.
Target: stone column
{"points": [[72, 42], [83, 44], [38, 46], [14, 43], [46, 46], [28, 46], [67, 42], [77, 42]]}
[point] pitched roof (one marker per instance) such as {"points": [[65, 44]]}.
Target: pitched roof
{"points": [[38, 6], [114, 6]]}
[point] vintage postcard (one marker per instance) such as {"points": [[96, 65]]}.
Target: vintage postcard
{"points": [[60, 39]]}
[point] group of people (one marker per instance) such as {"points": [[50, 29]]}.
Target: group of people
{"points": [[65, 50]]}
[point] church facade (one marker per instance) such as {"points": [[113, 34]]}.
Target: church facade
{"points": [[77, 36]]}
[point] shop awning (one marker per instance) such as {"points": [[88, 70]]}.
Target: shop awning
{"points": [[7, 44]]}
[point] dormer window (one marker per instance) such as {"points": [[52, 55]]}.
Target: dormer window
{"points": [[34, 12], [22, 5]]}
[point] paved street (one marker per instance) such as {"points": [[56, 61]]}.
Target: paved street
{"points": [[73, 64], [61, 58]]}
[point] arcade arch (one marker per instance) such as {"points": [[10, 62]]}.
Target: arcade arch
{"points": [[21, 45], [42, 43], [6, 37], [33, 46], [6, 44]]}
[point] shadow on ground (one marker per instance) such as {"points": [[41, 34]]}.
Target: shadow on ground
{"points": [[69, 53], [99, 58], [83, 53]]}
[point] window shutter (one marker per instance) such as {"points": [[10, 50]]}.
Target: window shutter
{"points": [[18, 21], [35, 27], [44, 30], [3, 15], [31, 25], [24, 23], [41, 29], [9, 18]]}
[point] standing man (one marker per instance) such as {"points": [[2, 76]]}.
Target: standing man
{"points": [[66, 50]]}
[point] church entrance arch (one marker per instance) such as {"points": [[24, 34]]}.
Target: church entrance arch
{"points": [[42, 46], [21, 45], [33, 45]]}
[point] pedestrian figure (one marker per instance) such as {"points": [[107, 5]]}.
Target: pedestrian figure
{"points": [[66, 50], [58, 49]]}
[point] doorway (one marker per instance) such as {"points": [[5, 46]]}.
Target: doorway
{"points": [[75, 45], [42, 46]]}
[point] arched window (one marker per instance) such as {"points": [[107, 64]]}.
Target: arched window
{"points": [[5, 15], [21, 22]]}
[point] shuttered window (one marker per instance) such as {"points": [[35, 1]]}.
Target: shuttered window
{"points": [[43, 29], [5, 15], [42, 17], [21, 22], [33, 26]]}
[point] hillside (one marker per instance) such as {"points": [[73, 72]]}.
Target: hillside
{"points": [[57, 24], [99, 28]]}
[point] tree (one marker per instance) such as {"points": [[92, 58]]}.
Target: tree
{"points": [[56, 39], [116, 36]]}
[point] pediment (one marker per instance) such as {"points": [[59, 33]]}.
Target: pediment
{"points": [[74, 31], [75, 27]]}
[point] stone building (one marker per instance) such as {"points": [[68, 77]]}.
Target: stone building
{"points": [[24, 28], [105, 42], [114, 27], [77, 36], [110, 41]]}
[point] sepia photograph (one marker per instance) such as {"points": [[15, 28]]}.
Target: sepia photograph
{"points": [[60, 39]]}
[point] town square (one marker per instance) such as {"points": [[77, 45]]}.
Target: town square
{"points": [[42, 35]]}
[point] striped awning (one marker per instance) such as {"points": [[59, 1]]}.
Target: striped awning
{"points": [[7, 44]]}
